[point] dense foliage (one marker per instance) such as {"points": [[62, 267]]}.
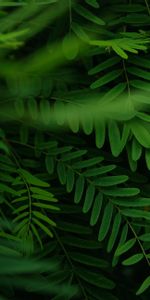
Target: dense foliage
{"points": [[75, 149]]}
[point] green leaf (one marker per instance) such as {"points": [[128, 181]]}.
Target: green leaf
{"points": [[114, 92], [134, 259], [100, 129], [139, 202], [9, 236], [92, 278], [96, 210], [46, 206], [144, 237], [6, 177], [139, 72], [122, 192], [60, 150], [73, 155], [88, 163], [141, 133], [141, 84], [89, 198], [135, 213], [44, 218], [140, 61], [125, 247], [81, 243], [136, 18], [9, 252], [111, 180], [147, 158], [70, 52], [143, 116], [61, 171], [73, 117], [114, 137], [4, 147], [114, 232], [136, 150], [5, 188], [122, 240], [70, 180], [5, 167], [32, 108], [41, 192], [44, 198], [69, 227], [49, 162], [106, 222], [79, 31], [109, 77], [119, 51], [21, 224], [130, 48], [128, 8], [99, 171], [43, 227], [89, 260], [32, 179], [21, 208], [21, 216], [79, 189], [87, 123], [93, 3], [88, 15], [35, 232], [104, 65], [132, 163], [145, 285]]}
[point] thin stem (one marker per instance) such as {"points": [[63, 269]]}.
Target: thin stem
{"points": [[133, 231], [140, 244], [26, 185], [126, 77], [70, 15], [148, 7], [71, 264]]}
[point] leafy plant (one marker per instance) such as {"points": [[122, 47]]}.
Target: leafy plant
{"points": [[75, 149]]}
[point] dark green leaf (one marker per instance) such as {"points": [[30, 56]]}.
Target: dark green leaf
{"points": [[99, 171], [43, 217], [106, 79], [125, 247], [89, 198], [111, 180], [89, 260], [115, 232], [88, 15], [79, 189], [106, 221], [70, 180], [145, 285], [96, 210], [32, 179], [88, 163], [61, 171], [114, 137], [96, 280], [122, 192], [134, 259]]}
